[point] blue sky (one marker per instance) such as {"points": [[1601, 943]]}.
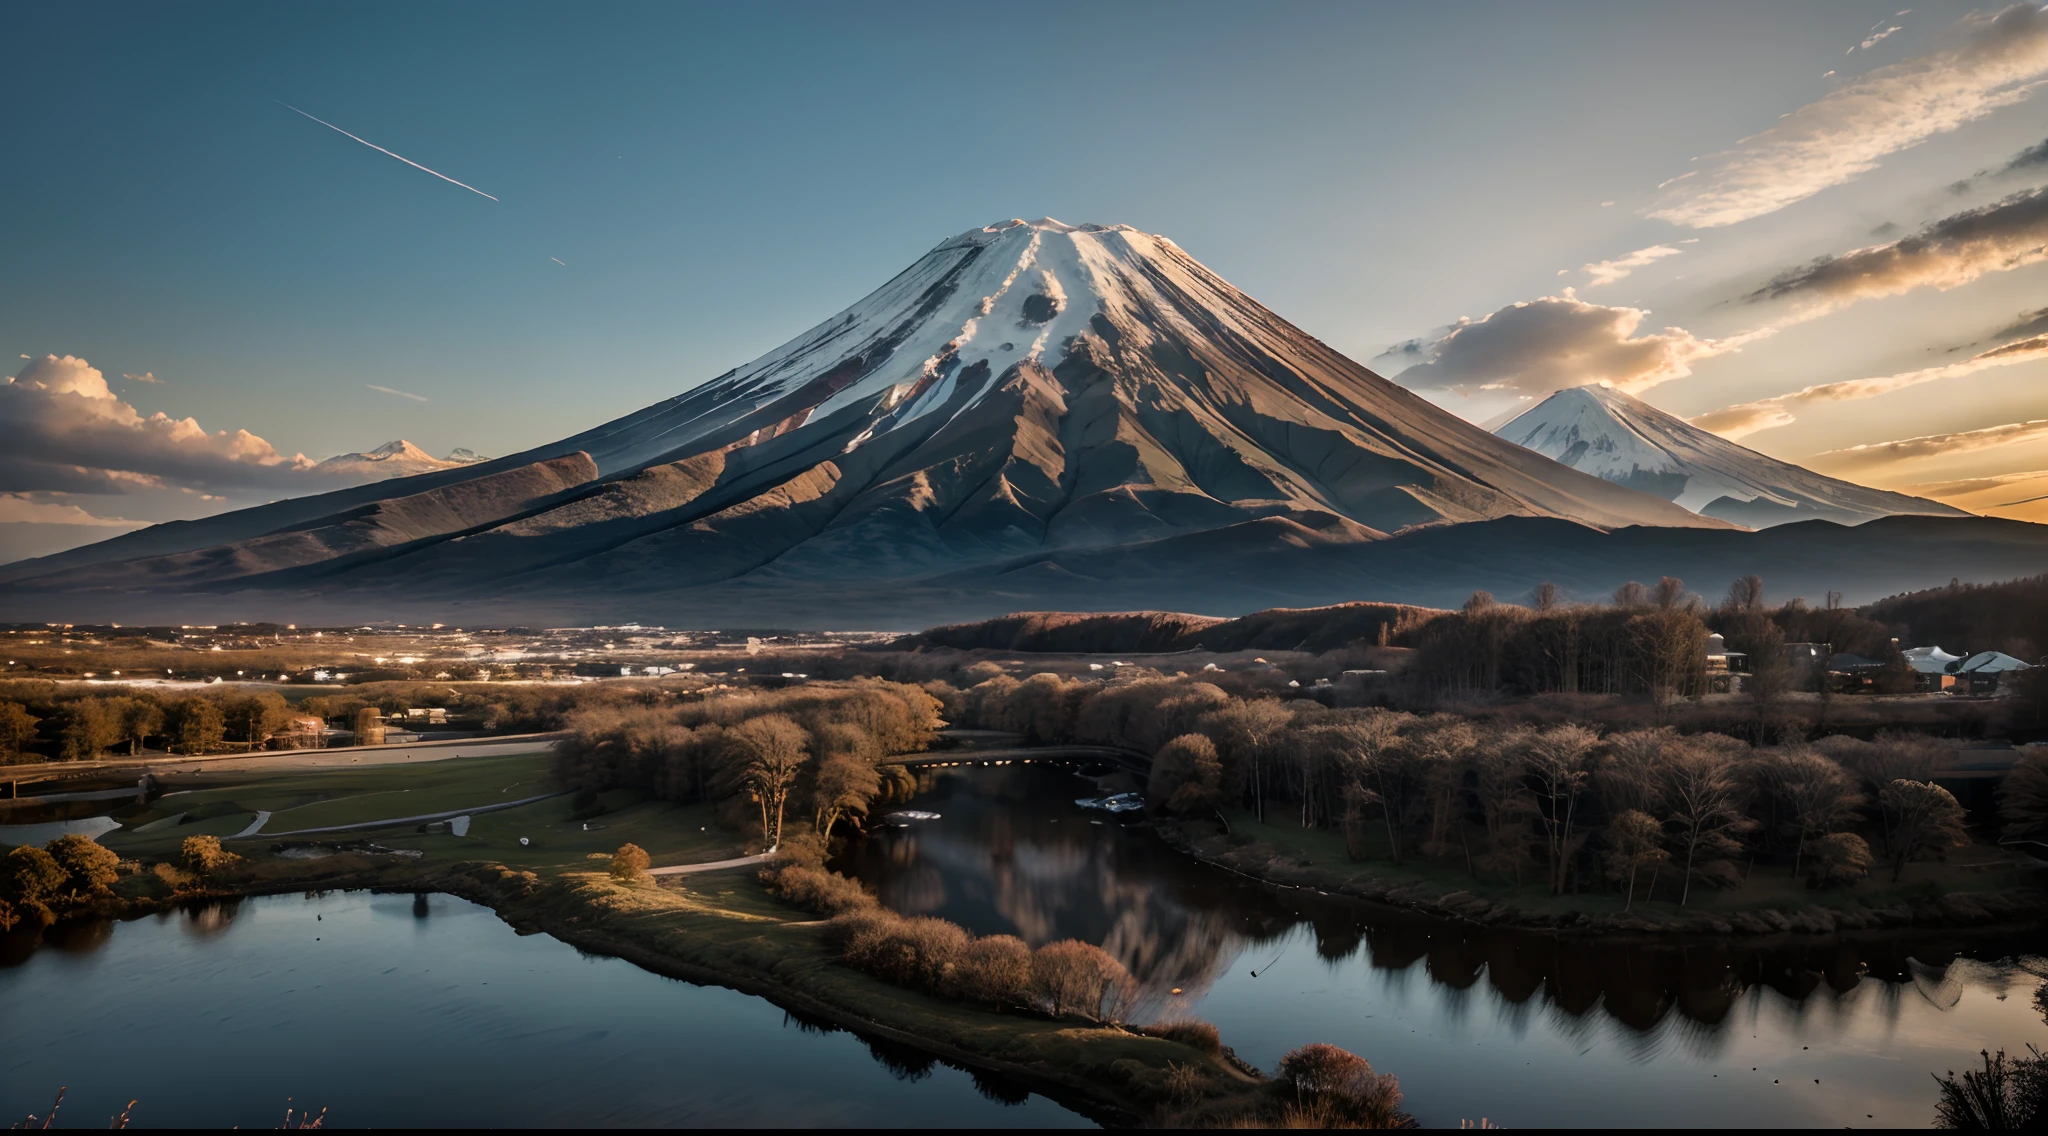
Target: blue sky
{"points": [[716, 178]]}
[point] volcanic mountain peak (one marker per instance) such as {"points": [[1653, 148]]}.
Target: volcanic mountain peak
{"points": [[1023, 388], [1616, 436]]}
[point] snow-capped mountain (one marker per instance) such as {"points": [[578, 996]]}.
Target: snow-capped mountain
{"points": [[393, 459], [1612, 435], [1031, 409]]}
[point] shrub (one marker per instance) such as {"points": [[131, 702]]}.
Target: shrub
{"points": [[1837, 859], [204, 854], [994, 970], [1336, 1088], [8, 916], [173, 877], [31, 876], [88, 868], [916, 952], [1189, 1032], [629, 862], [1071, 977], [815, 889]]}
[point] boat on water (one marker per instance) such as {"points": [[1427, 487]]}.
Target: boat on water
{"points": [[904, 818], [1114, 803]]}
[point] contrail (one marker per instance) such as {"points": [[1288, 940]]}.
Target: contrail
{"points": [[556, 259], [399, 393], [382, 150]]}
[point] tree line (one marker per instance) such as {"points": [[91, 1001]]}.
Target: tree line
{"points": [[1639, 812], [813, 755]]}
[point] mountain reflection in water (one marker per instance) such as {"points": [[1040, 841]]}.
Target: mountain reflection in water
{"points": [[1013, 854]]}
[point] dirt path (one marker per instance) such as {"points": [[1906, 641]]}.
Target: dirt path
{"points": [[711, 866]]}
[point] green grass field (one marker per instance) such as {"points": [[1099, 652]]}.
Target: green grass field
{"points": [[672, 834]]}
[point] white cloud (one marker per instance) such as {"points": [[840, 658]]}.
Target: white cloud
{"points": [[1545, 344], [1994, 60], [62, 429], [399, 393], [1966, 486], [1940, 445], [1608, 271], [144, 377], [1947, 253], [1763, 414], [26, 508]]}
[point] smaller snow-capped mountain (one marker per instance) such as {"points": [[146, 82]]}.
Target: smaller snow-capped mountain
{"points": [[1601, 431], [394, 459]]}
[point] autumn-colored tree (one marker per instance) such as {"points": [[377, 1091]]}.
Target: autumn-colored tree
{"points": [[1924, 820], [200, 726], [1186, 775], [89, 869], [90, 726], [1072, 978], [846, 786], [1634, 841], [203, 854], [140, 720], [629, 862], [31, 877], [17, 730], [766, 755], [994, 970]]}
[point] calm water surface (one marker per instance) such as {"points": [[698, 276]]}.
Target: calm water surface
{"points": [[1526, 1030], [398, 1012]]}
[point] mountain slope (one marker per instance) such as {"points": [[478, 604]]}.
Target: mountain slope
{"points": [[1024, 387], [1627, 441]]}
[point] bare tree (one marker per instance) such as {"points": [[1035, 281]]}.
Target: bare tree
{"points": [[1560, 759], [1706, 802], [2023, 799], [1669, 594], [1500, 781], [17, 729], [1634, 842], [1631, 595], [1440, 757], [1820, 795], [1375, 768], [1631, 775], [1248, 731], [1924, 821], [1545, 596]]}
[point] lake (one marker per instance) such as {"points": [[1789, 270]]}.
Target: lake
{"points": [[1522, 1028], [397, 1011]]}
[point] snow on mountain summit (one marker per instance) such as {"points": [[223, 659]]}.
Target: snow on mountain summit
{"points": [[1615, 436], [398, 458]]}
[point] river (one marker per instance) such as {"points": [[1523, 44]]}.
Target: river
{"points": [[1523, 1029]]}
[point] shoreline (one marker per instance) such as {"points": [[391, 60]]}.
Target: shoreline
{"points": [[1973, 912], [1100, 1072]]}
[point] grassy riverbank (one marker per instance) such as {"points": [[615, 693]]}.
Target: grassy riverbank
{"points": [[1977, 886], [720, 928]]}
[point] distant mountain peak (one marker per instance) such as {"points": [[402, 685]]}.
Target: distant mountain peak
{"points": [[398, 458], [1614, 435]]}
